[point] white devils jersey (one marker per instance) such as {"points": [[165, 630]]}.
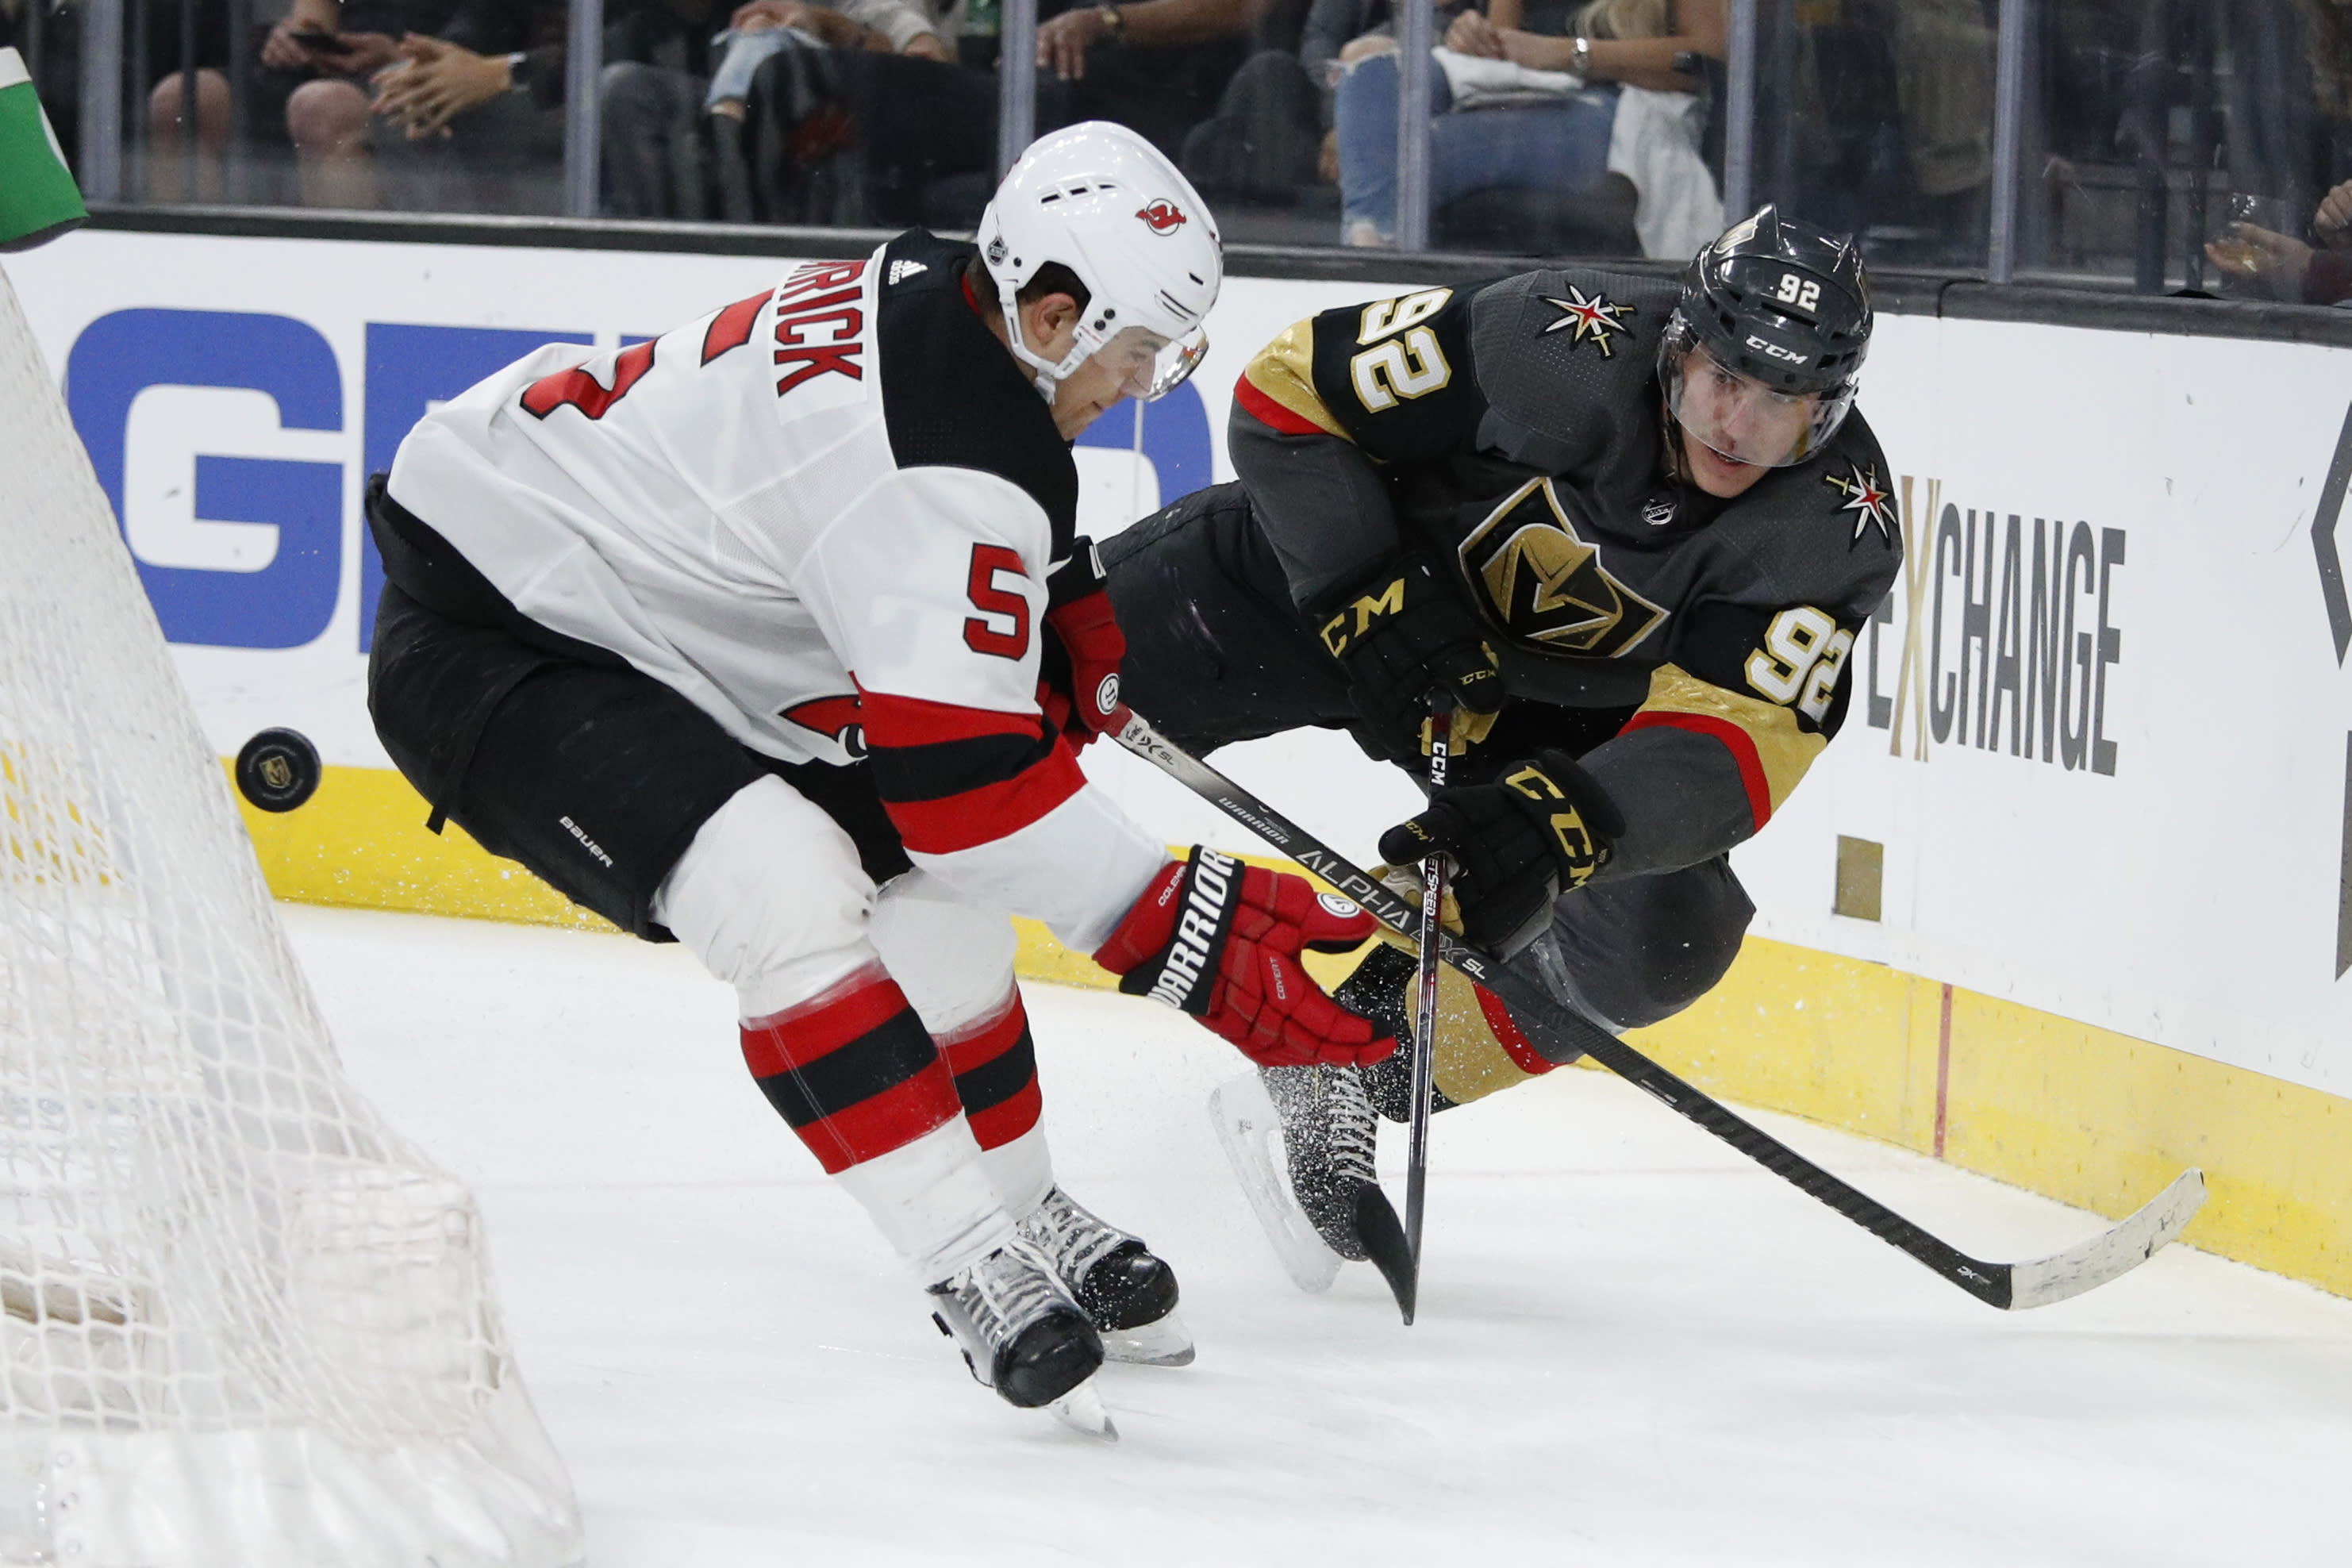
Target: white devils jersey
{"points": [[825, 515]]}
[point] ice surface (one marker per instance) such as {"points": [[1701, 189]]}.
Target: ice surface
{"points": [[1634, 1348]]}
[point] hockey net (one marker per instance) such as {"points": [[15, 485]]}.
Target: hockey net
{"points": [[242, 1322]]}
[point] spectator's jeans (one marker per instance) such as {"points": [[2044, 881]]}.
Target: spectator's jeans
{"points": [[740, 54], [654, 163], [1564, 148]]}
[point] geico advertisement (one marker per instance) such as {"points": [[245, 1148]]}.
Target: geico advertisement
{"points": [[2096, 757], [234, 395]]}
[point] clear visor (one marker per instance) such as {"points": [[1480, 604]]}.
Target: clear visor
{"points": [[1148, 366], [1741, 418]]}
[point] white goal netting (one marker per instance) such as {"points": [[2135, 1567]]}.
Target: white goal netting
{"points": [[243, 1323]]}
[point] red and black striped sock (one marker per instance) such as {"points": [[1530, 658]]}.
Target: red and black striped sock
{"points": [[852, 1070], [995, 1069]]}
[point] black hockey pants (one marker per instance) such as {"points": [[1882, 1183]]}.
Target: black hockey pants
{"points": [[1216, 654], [555, 752]]}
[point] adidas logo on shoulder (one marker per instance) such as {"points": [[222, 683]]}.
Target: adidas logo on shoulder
{"points": [[902, 270]]}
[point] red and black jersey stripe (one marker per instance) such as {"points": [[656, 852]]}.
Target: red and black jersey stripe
{"points": [[995, 1066], [953, 778], [852, 1071]]}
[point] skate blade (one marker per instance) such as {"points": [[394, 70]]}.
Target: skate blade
{"points": [[1165, 1342], [1082, 1410], [1250, 1130]]}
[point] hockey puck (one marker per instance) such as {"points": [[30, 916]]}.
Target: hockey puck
{"points": [[277, 770]]}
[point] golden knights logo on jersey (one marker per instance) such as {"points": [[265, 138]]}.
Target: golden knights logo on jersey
{"points": [[1588, 317], [1544, 584]]}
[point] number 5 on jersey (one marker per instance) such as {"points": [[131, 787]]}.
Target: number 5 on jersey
{"points": [[1002, 628]]}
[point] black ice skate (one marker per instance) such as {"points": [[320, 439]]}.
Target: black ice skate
{"points": [[1022, 1335], [1129, 1294], [1318, 1201], [1322, 1202]]}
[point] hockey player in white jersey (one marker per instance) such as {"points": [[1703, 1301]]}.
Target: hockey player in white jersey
{"points": [[736, 635]]}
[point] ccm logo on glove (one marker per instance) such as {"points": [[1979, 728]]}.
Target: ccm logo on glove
{"points": [[1543, 828], [1403, 637], [1580, 853]]}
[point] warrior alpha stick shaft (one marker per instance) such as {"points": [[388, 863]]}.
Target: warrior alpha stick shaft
{"points": [[2009, 1286], [1425, 1015]]}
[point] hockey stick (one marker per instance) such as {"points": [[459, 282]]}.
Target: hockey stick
{"points": [[2009, 1286], [1424, 1017]]}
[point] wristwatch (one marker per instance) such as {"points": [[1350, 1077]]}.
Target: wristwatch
{"points": [[519, 71], [1583, 57], [1114, 25]]}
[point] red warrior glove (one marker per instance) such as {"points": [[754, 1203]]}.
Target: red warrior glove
{"points": [[1220, 939], [1079, 689]]}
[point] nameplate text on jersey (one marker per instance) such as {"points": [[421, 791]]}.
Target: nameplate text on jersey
{"points": [[820, 323]]}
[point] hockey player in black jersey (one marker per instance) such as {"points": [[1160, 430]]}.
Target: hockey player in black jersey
{"points": [[1629, 532]]}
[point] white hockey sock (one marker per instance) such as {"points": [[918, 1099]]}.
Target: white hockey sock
{"points": [[1021, 1172], [932, 1200]]}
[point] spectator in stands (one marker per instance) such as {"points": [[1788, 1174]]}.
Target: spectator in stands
{"points": [[1157, 67], [761, 28], [315, 41], [863, 137], [2286, 268], [473, 117], [657, 143], [1550, 122], [1266, 142]]}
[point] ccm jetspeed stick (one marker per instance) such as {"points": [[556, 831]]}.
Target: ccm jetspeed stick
{"points": [[1559, 1032]]}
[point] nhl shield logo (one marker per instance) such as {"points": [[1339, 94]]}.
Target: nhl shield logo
{"points": [[1544, 584], [1162, 215]]}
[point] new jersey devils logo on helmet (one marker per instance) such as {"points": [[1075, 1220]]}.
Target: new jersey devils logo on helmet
{"points": [[1164, 215]]}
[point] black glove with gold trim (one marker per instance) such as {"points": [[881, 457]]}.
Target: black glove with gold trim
{"points": [[1543, 827], [1403, 635]]}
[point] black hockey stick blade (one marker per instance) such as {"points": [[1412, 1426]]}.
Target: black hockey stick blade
{"points": [[1562, 1033], [1382, 1233]]}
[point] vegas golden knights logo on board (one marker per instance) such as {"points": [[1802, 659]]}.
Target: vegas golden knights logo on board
{"points": [[1544, 586]]}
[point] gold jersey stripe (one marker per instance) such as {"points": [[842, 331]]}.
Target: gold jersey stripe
{"points": [[1772, 752], [1283, 374], [1473, 1062]]}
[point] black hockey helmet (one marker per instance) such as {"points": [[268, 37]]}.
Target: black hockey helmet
{"points": [[1784, 305]]}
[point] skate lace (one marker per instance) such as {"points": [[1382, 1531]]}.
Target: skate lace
{"points": [[1073, 1239], [1004, 1293], [1351, 1129]]}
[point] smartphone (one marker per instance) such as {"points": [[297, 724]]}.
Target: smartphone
{"points": [[321, 42]]}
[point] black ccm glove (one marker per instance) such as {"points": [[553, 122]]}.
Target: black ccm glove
{"points": [[1401, 635], [1543, 827]]}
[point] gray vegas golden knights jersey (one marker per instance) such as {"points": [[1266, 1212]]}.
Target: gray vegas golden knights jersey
{"points": [[1513, 434]]}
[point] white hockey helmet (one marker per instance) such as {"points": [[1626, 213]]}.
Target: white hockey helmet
{"points": [[1104, 203]]}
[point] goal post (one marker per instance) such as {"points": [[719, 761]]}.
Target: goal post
{"points": [[243, 1323]]}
